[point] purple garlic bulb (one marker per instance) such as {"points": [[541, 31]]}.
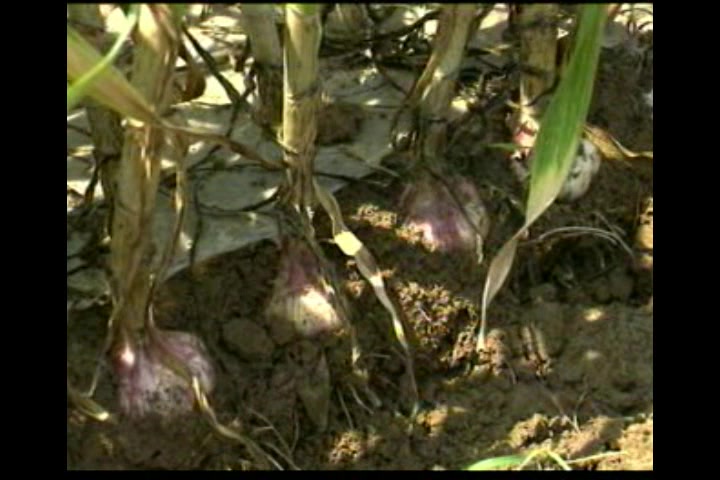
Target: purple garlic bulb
{"points": [[147, 371], [434, 210], [303, 303]]}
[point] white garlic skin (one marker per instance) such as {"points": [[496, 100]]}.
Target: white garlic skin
{"points": [[584, 168]]}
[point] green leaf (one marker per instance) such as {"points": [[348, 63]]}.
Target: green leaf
{"points": [[556, 144], [562, 124], [520, 461], [508, 147], [498, 462]]}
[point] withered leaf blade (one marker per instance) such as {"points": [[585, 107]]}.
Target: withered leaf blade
{"points": [[353, 247]]}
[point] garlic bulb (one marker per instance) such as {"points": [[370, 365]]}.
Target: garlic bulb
{"points": [[148, 376], [584, 168], [303, 303], [436, 212]]}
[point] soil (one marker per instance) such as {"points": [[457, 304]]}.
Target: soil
{"points": [[571, 359]]}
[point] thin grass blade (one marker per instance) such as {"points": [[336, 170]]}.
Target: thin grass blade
{"points": [[497, 463]]}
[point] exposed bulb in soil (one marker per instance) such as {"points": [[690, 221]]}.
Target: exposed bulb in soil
{"points": [[148, 377], [303, 303], [449, 214], [304, 306], [584, 168]]}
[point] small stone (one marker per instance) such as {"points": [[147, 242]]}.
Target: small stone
{"points": [[248, 339]]}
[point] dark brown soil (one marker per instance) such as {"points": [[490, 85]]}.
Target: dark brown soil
{"points": [[572, 336]]}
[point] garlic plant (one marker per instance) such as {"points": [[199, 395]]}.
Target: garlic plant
{"points": [[446, 209], [304, 305], [154, 368], [159, 372], [538, 56]]}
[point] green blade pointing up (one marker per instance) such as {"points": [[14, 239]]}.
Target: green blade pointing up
{"points": [[556, 144]]}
